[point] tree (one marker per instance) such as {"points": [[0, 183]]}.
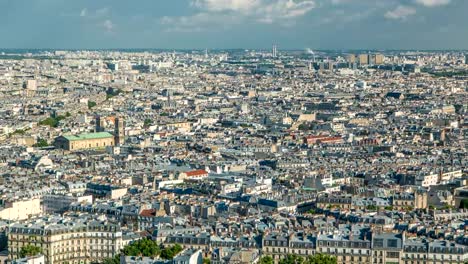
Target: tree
{"points": [[292, 259], [464, 203], [295, 259], [19, 132], [30, 250], [112, 93], [114, 260], [41, 143], [91, 104], [144, 247], [51, 121], [171, 252], [303, 127], [321, 259], [148, 122], [266, 260]]}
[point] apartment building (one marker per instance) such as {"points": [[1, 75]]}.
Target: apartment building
{"points": [[67, 240]]}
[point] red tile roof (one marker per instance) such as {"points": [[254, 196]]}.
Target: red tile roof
{"points": [[148, 212], [195, 173]]}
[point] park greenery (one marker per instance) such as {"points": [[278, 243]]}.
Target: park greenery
{"points": [[146, 248], [52, 121], [112, 93], [41, 143], [148, 122], [19, 132], [91, 104], [296, 259], [30, 250]]}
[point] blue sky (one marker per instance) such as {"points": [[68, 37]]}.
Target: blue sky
{"points": [[291, 24]]}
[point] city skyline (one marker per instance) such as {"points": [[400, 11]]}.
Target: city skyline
{"points": [[229, 24]]}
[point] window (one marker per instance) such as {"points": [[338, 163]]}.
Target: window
{"points": [[378, 242], [393, 243]]}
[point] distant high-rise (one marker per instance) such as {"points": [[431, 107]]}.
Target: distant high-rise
{"points": [[321, 66], [274, 51], [379, 59], [364, 59], [119, 131], [351, 58]]}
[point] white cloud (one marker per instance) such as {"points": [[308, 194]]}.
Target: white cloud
{"points": [[224, 13], [108, 25], [400, 12], [227, 5], [83, 12], [196, 23], [338, 2], [432, 3], [102, 12]]}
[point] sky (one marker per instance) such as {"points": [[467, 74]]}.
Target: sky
{"points": [[225, 24]]}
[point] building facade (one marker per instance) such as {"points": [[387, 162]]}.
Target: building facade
{"points": [[65, 240], [85, 141]]}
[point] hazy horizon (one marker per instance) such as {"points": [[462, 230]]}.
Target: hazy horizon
{"points": [[235, 24]]}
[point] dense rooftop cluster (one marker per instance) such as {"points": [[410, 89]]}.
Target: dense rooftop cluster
{"points": [[237, 156]]}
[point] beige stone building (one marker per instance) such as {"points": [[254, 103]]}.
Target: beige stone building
{"points": [[85, 141], [64, 240], [20, 210]]}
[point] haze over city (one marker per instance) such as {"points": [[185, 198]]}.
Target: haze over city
{"points": [[221, 24]]}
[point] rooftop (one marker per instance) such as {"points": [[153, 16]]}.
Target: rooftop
{"points": [[86, 136]]}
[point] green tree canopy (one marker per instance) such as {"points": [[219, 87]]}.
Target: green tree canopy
{"points": [[144, 247], [266, 260], [321, 259], [91, 104], [464, 203], [41, 143], [30, 250], [148, 122], [296, 259], [171, 252], [149, 248], [51, 121]]}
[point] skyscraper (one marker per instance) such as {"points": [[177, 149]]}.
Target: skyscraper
{"points": [[364, 59], [379, 59], [274, 51], [351, 58]]}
